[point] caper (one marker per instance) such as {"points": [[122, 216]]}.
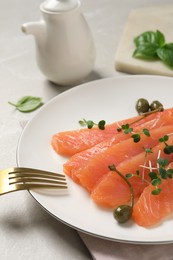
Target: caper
{"points": [[142, 105], [122, 213], [155, 105]]}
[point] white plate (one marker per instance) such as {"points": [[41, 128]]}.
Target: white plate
{"points": [[111, 99]]}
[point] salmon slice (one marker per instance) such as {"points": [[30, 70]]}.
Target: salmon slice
{"points": [[152, 209], [71, 142], [112, 190], [80, 160], [97, 166]]}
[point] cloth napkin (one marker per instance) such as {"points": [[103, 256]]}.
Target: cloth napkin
{"points": [[101, 249]]}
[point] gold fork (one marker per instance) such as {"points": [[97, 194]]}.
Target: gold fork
{"points": [[20, 178]]}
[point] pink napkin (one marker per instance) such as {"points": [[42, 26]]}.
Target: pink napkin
{"points": [[101, 249]]}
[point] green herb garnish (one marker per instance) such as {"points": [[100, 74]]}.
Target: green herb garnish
{"points": [[168, 148], [136, 136], [152, 45], [90, 124], [146, 132], [27, 103]]}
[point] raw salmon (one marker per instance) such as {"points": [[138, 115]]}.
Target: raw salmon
{"points": [[152, 209], [70, 142], [97, 166], [80, 160], [112, 190]]}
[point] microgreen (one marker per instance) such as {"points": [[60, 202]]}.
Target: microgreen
{"points": [[148, 150], [129, 175], [90, 124], [136, 138], [27, 103], [170, 173], [164, 139], [163, 162], [156, 181], [101, 124], [151, 45], [162, 173], [153, 175], [127, 129], [168, 149], [156, 191], [146, 132]]}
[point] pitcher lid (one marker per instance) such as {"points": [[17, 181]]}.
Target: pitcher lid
{"points": [[60, 5]]}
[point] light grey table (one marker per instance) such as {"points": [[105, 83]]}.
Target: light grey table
{"points": [[26, 231]]}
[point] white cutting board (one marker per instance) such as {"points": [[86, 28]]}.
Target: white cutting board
{"points": [[139, 21]]}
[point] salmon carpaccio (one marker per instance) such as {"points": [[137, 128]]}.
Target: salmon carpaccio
{"points": [[112, 191], [71, 142], [89, 167], [152, 209], [80, 160]]}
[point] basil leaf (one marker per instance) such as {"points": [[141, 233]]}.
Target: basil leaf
{"points": [[166, 55], [146, 37], [151, 45], [169, 46], [27, 103], [150, 37], [146, 51], [160, 38]]}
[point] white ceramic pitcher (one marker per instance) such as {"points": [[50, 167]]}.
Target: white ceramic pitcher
{"points": [[65, 50]]}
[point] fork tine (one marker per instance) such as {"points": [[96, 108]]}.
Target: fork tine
{"points": [[39, 175], [35, 180], [24, 186], [31, 170]]}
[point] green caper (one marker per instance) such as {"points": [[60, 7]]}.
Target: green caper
{"points": [[122, 213], [155, 105], [142, 106]]}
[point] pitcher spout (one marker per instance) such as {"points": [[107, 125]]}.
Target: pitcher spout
{"points": [[33, 28]]}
